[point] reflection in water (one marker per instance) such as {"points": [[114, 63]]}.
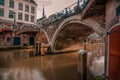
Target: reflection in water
{"points": [[7, 58], [24, 65], [97, 67], [20, 74]]}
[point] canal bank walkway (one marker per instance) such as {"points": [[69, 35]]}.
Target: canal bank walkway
{"points": [[3, 48]]}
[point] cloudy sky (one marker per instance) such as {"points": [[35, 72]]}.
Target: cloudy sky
{"points": [[52, 6]]}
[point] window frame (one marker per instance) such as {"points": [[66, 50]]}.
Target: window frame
{"points": [[32, 18], [20, 16], [8, 40], [26, 8], [20, 6], [26, 17], [11, 3], [11, 14], [33, 10], [2, 3], [1, 14]]}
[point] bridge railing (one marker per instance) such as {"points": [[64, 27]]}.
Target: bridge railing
{"points": [[73, 9]]}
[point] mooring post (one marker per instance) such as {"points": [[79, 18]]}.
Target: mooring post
{"points": [[82, 64], [38, 47]]}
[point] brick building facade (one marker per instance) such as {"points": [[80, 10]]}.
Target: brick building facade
{"points": [[16, 15]]}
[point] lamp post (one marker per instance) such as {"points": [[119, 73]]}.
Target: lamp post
{"points": [[14, 16], [38, 47]]}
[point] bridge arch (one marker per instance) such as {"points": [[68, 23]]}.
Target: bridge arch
{"points": [[114, 52], [78, 28], [42, 37]]}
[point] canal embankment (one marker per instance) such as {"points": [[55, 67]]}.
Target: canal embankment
{"points": [[3, 48], [65, 51]]}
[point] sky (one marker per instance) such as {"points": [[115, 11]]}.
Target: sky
{"points": [[52, 6]]}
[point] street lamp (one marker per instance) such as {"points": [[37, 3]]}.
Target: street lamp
{"points": [[14, 16]]}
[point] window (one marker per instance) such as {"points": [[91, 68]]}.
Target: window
{"points": [[1, 12], [11, 14], [26, 8], [26, 17], [32, 10], [19, 16], [11, 3], [118, 10], [32, 18], [20, 6], [8, 39], [2, 2]]}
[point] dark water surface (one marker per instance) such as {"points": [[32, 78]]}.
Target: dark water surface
{"points": [[24, 65]]}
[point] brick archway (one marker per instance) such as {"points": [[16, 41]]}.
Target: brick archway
{"points": [[42, 37], [88, 22], [114, 53]]}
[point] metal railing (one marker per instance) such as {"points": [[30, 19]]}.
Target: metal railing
{"points": [[73, 9]]}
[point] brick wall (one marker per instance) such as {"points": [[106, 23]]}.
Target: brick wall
{"points": [[4, 41], [24, 39], [111, 17]]}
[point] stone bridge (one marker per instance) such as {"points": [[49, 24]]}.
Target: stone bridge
{"points": [[78, 21]]}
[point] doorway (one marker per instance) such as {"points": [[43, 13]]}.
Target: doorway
{"points": [[114, 54], [31, 41], [16, 41]]}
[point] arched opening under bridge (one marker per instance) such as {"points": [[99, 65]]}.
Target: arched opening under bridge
{"points": [[72, 36], [42, 37], [42, 43]]}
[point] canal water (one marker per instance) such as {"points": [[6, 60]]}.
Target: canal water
{"points": [[25, 65]]}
